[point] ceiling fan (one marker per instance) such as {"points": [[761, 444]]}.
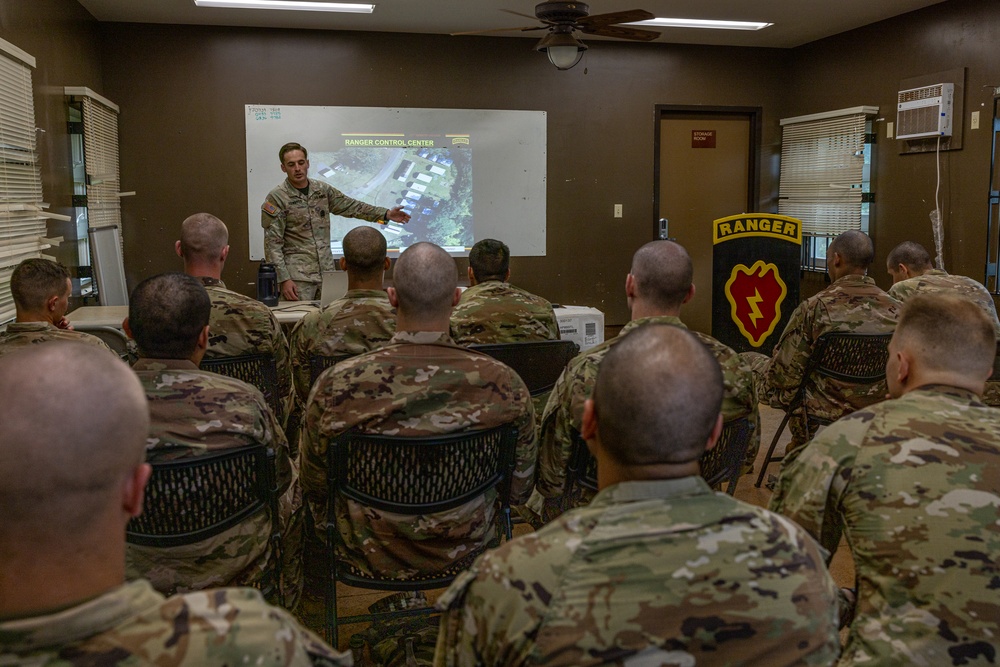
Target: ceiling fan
{"points": [[563, 19]]}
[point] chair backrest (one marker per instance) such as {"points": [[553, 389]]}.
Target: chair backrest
{"points": [[260, 370], [112, 337], [996, 366], [421, 475], [719, 464], [193, 498], [319, 363], [858, 358], [537, 362]]}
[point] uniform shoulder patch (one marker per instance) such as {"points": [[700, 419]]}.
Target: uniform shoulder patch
{"points": [[269, 208]]}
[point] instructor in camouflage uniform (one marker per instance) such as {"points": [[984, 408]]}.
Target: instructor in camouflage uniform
{"points": [[658, 284], [296, 220], [914, 484], [41, 290], [657, 569], [419, 384], [853, 303], [69, 483], [361, 320], [195, 412], [494, 311], [238, 325]]}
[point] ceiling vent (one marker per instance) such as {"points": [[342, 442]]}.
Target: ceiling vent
{"points": [[925, 112]]}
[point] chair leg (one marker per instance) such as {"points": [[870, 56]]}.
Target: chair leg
{"points": [[770, 450], [331, 599]]}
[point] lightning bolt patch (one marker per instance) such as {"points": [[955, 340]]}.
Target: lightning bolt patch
{"points": [[753, 302]]}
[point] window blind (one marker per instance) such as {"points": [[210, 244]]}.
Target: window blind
{"points": [[22, 215], [822, 169], [100, 149]]}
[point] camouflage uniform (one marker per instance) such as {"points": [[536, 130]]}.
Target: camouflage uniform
{"points": [[418, 384], [135, 625], [915, 484], [297, 228], [650, 573], [936, 280], [497, 312], [851, 304], [360, 321], [21, 334], [563, 413], [239, 325], [193, 412]]}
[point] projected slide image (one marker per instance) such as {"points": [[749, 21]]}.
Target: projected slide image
{"points": [[433, 185]]}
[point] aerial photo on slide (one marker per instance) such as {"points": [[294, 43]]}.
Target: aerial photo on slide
{"points": [[432, 184]]}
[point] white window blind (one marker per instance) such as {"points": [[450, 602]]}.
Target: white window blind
{"points": [[822, 169], [22, 218], [100, 149]]}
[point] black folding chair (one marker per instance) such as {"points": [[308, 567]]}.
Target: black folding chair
{"points": [[319, 363], [857, 358], [537, 362], [412, 476], [259, 370], [197, 497]]}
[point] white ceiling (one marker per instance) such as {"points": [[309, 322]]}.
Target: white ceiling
{"points": [[796, 22]]}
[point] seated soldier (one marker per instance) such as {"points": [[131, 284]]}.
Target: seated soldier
{"points": [[238, 324], [494, 311], [852, 303], [71, 477], [658, 284], [657, 569], [914, 485], [195, 412], [41, 290], [418, 384], [360, 321]]}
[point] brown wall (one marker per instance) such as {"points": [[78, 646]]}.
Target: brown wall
{"points": [[865, 66], [62, 36], [182, 91]]}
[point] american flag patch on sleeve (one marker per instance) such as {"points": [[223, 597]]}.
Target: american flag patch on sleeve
{"points": [[269, 208]]}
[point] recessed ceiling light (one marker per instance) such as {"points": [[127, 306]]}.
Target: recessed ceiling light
{"points": [[291, 5], [703, 23]]}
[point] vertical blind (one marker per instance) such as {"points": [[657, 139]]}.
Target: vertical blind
{"points": [[822, 169], [22, 218]]}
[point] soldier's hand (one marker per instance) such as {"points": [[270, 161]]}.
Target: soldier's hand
{"points": [[289, 291], [64, 324], [398, 215]]}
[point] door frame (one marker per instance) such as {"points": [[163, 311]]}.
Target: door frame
{"points": [[753, 114]]}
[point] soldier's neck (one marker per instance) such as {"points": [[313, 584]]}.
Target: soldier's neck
{"points": [[641, 309], [203, 270]]}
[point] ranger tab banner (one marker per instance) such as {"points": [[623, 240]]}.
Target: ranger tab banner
{"points": [[756, 262]]}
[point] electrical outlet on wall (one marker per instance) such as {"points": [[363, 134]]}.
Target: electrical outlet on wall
{"points": [[889, 129], [618, 210], [974, 121]]}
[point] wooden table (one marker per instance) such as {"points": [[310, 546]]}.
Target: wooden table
{"points": [[287, 313]]}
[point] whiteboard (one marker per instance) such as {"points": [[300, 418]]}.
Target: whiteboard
{"points": [[462, 174]]}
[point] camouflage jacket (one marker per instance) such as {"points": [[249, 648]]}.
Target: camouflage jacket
{"points": [[297, 228], [497, 312], [360, 321], [20, 334], [420, 383], [239, 325], [649, 573], [936, 280], [563, 413], [135, 625], [194, 412], [851, 304], [915, 485]]}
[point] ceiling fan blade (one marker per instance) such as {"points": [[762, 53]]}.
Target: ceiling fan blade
{"points": [[621, 32], [485, 32], [628, 16], [527, 16]]}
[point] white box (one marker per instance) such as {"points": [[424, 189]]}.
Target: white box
{"points": [[583, 325]]}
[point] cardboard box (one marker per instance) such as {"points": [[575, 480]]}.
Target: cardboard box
{"points": [[581, 324]]}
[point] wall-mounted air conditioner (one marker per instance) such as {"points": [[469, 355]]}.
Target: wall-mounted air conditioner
{"points": [[925, 112]]}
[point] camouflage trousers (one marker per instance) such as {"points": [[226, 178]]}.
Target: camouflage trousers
{"points": [[308, 291]]}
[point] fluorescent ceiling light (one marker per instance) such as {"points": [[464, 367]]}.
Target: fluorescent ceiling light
{"points": [[703, 23], [292, 5]]}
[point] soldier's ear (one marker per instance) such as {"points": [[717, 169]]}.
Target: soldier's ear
{"points": [[127, 329], [134, 489], [225, 254], [903, 370], [716, 433], [588, 423], [630, 286], [342, 263], [177, 249], [393, 298], [456, 297], [689, 295], [386, 263]]}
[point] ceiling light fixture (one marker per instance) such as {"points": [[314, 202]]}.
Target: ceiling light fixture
{"points": [[291, 5], [562, 47], [703, 23]]}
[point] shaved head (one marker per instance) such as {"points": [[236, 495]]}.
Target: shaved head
{"points": [[167, 313], [663, 272], [946, 333], [425, 279], [489, 260], [658, 397], [856, 249], [203, 237], [74, 426], [364, 252], [910, 254]]}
